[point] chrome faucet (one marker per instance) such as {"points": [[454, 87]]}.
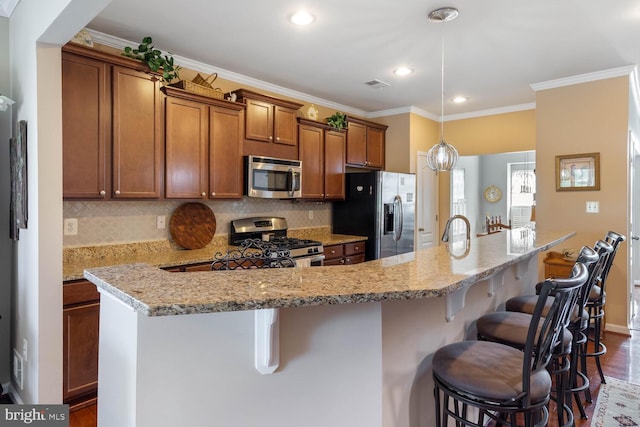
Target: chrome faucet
{"points": [[447, 227]]}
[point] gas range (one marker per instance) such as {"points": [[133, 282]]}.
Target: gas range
{"points": [[274, 231]]}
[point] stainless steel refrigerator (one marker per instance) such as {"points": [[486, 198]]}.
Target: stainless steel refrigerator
{"points": [[381, 206]]}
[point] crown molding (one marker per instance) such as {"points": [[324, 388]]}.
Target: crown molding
{"points": [[491, 112], [118, 43], [7, 6], [436, 118], [584, 78]]}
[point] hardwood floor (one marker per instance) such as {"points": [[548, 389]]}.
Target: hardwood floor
{"points": [[85, 417], [621, 350]]}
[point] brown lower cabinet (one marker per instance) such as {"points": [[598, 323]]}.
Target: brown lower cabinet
{"points": [[81, 323], [555, 266], [344, 254]]}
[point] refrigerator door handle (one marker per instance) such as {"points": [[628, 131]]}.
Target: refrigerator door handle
{"points": [[397, 229]]}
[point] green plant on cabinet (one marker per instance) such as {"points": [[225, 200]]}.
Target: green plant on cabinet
{"points": [[154, 59]]}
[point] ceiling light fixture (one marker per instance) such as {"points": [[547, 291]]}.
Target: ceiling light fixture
{"points": [[442, 156], [460, 99], [403, 71], [5, 102], [302, 18]]}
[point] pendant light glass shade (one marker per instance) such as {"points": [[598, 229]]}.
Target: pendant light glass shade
{"points": [[442, 157]]}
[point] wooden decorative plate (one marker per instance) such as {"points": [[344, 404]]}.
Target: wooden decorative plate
{"points": [[192, 225]]}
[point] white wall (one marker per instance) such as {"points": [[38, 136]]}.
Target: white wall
{"points": [[5, 245], [36, 88]]}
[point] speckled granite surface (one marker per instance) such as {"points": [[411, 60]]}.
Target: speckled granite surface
{"points": [[423, 274], [163, 253]]}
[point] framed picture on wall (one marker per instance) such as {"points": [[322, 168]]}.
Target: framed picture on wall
{"points": [[578, 172], [18, 166]]}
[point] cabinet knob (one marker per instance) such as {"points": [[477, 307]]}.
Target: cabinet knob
{"points": [[357, 248], [270, 138], [203, 194], [333, 251], [420, 229], [102, 193], [213, 194], [117, 192], [277, 138], [342, 261]]}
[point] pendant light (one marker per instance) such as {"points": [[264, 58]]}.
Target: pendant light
{"points": [[442, 156]]}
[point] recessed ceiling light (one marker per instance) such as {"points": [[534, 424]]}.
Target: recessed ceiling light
{"points": [[403, 71], [460, 99], [302, 18]]}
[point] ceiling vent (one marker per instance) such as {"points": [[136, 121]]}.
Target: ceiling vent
{"points": [[379, 84]]}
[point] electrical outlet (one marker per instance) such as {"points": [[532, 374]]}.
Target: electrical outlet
{"points": [[18, 368], [593, 207], [25, 346], [310, 214], [71, 227], [161, 222]]}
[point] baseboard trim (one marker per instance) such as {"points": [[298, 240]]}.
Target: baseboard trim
{"points": [[624, 330]]}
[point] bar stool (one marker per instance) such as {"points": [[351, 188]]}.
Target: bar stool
{"points": [[502, 382], [595, 308], [510, 328], [579, 320]]}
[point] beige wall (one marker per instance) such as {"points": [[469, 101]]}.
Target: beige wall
{"points": [[584, 118], [397, 143]]}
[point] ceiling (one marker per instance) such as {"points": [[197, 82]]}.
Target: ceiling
{"points": [[494, 50]]}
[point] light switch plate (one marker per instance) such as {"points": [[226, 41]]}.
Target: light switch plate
{"points": [[593, 207]]}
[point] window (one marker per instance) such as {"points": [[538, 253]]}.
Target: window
{"points": [[521, 193], [458, 201]]}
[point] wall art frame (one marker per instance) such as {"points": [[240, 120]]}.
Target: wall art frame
{"points": [[578, 172], [19, 189]]}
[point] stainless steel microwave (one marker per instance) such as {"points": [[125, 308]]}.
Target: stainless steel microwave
{"points": [[271, 178]]}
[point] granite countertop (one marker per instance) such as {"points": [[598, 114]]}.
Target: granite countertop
{"points": [[164, 254], [426, 273]]}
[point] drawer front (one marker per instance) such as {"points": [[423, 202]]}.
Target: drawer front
{"points": [[77, 292], [354, 248], [335, 261], [354, 259], [332, 252], [557, 271], [198, 267]]}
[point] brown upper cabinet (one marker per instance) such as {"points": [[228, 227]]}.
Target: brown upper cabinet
{"points": [[365, 143], [112, 127], [270, 127], [322, 152], [203, 147]]}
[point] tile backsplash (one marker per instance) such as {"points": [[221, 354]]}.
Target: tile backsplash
{"points": [[110, 222]]}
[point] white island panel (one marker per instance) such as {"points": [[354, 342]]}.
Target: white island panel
{"points": [[198, 370]]}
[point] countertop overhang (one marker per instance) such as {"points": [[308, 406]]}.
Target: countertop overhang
{"points": [[426, 273]]}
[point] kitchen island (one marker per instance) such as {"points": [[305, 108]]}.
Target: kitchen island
{"points": [[351, 345]]}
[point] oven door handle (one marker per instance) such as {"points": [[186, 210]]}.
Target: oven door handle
{"points": [[312, 259]]}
